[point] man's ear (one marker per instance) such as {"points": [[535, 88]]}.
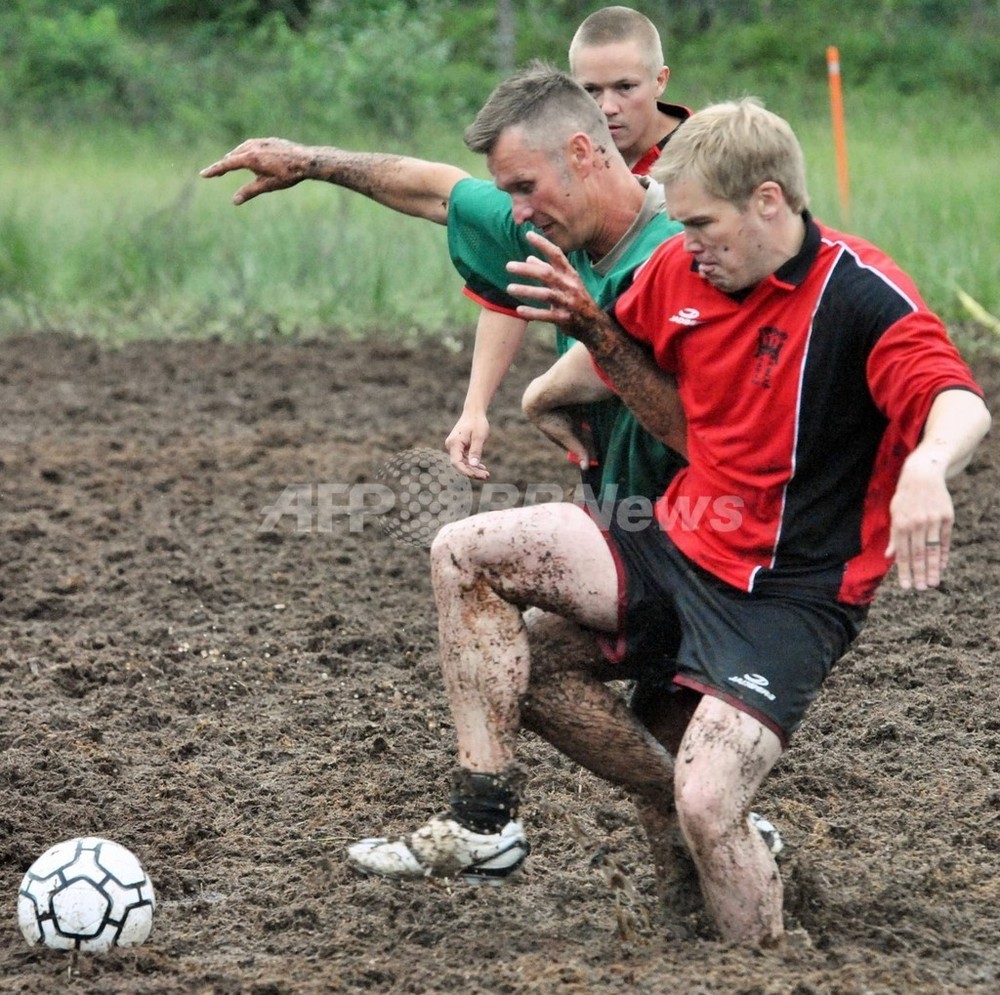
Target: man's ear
{"points": [[768, 199], [580, 152], [662, 78]]}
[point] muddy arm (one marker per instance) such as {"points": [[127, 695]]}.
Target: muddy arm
{"points": [[411, 186]]}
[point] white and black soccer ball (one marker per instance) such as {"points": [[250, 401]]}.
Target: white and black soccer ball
{"points": [[86, 894]]}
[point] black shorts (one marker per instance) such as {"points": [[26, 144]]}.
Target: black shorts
{"points": [[767, 652]]}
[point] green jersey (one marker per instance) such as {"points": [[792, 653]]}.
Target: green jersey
{"points": [[483, 237]]}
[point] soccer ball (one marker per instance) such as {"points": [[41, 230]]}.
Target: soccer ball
{"points": [[86, 894]]}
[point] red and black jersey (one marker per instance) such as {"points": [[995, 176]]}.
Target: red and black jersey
{"points": [[803, 398], [646, 163]]}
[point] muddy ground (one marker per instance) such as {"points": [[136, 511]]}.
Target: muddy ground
{"points": [[236, 705]]}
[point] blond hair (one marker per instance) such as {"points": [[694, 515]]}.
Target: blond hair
{"points": [[731, 149]]}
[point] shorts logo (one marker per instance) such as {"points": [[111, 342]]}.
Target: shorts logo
{"points": [[686, 316], [753, 682]]}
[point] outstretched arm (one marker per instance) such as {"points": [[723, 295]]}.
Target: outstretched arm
{"points": [[922, 510], [411, 186], [647, 390]]}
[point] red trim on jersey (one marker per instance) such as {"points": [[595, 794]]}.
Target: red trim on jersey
{"points": [[488, 304], [742, 706], [646, 163]]}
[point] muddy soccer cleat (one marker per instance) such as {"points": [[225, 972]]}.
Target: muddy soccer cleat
{"points": [[768, 833], [443, 848]]}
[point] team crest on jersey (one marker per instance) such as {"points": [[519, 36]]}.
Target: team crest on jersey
{"points": [[769, 343]]}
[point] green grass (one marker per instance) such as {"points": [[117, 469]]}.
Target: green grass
{"points": [[921, 186], [121, 238], [115, 235], [924, 189]]}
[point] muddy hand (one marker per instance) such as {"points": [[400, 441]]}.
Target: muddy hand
{"points": [[277, 164], [561, 288]]}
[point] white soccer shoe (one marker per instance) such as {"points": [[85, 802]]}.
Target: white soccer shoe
{"points": [[768, 833], [442, 848]]}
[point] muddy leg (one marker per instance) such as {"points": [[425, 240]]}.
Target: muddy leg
{"points": [[484, 569], [724, 757], [569, 705], [666, 713]]}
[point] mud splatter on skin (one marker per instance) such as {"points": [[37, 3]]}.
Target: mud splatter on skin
{"points": [[566, 700], [279, 164], [367, 173], [569, 704], [647, 390], [739, 878], [484, 657]]}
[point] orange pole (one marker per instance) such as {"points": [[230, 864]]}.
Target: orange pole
{"points": [[839, 139]]}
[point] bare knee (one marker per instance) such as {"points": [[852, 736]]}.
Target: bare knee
{"points": [[450, 551], [705, 811]]}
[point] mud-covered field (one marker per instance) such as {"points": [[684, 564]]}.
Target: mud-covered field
{"points": [[236, 705]]}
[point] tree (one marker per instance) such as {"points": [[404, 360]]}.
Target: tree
{"points": [[506, 37]]}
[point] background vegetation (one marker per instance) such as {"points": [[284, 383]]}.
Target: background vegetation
{"points": [[109, 109]]}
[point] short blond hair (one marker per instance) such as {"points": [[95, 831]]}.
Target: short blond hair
{"points": [[611, 25], [732, 148]]}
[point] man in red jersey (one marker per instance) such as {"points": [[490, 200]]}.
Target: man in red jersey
{"points": [[826, 410]]}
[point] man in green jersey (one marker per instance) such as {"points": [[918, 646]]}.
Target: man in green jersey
{"points": [[617, 57], [617, 221], [613, 229]]}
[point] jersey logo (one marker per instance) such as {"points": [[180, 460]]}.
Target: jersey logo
{"points": [[753, 682], [686, 316], [769, 343]]}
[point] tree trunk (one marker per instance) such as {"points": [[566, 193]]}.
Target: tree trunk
{"points": [[506, 37]]}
